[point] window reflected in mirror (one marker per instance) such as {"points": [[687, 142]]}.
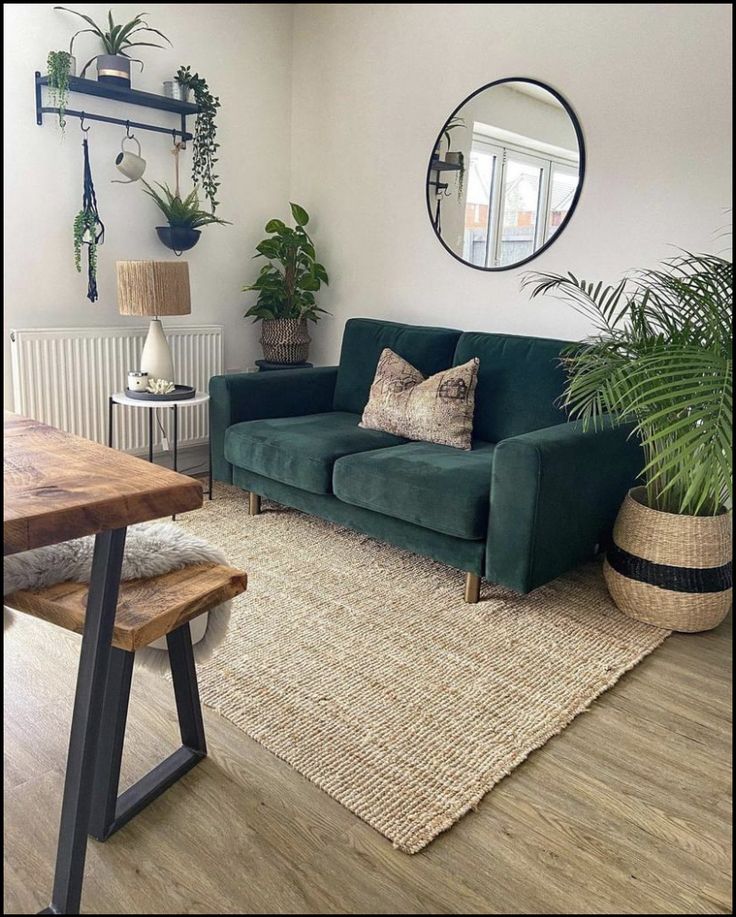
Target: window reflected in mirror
{"points": [[505, 174]]}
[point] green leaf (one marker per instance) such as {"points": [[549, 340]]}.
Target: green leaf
{"points": [[87, 19], [82, 32], [269, 248], [319, 271], [300, 214], [139, 44], [145, 28], [275, 226], [88, 64]]}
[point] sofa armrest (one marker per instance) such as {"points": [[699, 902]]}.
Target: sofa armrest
{"points": [[555, 494], [257, 396]]}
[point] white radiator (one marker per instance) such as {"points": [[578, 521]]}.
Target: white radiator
{"points": [[64, 377]]}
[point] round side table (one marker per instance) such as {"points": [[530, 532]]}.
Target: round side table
{"points": [[151, 406]]}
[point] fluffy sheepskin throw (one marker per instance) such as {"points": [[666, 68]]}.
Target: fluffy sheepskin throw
{"points": [[150, 549]]}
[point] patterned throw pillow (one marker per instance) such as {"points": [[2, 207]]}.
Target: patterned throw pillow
{"points": [[434, 410]]}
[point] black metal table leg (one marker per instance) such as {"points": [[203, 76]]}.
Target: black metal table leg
{"points": [[110, 746], [110, 406], [110, 811], [209, 450], [150, 434], [86, 721], [176, 435]]}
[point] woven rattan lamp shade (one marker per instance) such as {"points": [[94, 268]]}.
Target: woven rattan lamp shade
{"points": [[153, 288]]}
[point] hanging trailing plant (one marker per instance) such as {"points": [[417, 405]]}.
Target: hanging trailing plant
{"points": [[89, 229], [460, 177], [205, 144], [456, 157], [58, 66]]}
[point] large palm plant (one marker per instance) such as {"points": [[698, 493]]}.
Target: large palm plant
{"points": [[661, 358]]}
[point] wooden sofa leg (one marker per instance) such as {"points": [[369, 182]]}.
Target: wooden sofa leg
{"points": [[472, 588], [254, 504]]}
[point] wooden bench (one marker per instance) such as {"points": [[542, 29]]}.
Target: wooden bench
{"points": [[147, 609]]}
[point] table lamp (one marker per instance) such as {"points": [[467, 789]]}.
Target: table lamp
{"points": [[154, 288]]}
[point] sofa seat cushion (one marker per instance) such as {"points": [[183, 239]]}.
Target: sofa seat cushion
{"points": [[301, 450], [438, 487]]}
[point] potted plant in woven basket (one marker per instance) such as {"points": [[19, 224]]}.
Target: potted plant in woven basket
{"points": [[662, 360], [286, 288]]}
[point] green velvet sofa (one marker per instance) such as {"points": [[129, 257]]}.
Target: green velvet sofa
{"points": [[535, 496]]}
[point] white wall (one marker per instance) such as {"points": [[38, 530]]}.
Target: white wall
{"points": [[345, 126], [244, 51], [373, 84]]}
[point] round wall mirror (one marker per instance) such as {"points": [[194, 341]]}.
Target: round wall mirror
{"points": [[505, 174]]}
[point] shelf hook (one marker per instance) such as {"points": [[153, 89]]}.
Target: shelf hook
{"points": [[81, 124], [128, 135]]}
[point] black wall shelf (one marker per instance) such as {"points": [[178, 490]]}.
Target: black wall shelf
{"points": [[439, 165], [118, 94]]}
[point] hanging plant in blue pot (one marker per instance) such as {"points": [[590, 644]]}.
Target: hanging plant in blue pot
{"points": [[184, 217]]}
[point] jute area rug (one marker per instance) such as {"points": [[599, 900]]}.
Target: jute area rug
{"points": [[360, 665]]}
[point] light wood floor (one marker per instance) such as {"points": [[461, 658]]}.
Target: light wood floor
{"points": [[628, 811]]}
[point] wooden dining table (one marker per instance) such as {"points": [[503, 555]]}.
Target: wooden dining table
{"points": [[58, 487]]}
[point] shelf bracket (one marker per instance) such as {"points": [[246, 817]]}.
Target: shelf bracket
{"points": [[39, 114]]}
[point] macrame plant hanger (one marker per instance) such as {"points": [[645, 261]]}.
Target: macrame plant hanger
{"points": [[90, 219], [437, 223]]}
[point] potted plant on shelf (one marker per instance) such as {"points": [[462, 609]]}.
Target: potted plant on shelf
{"points": [[59, 67], [183, 216], [286, 288], [113, 66], [204, 145], [662, 360]]}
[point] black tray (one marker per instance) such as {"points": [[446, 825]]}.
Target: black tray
{"points": [[180, 393]]}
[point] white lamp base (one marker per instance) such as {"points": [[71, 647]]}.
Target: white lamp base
{"points": [[156, 357]]}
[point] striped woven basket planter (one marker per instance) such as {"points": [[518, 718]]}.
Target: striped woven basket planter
{"points": [[285, 340], [669, 570]]}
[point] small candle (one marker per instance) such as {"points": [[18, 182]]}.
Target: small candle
{"points": [[137, 382]]}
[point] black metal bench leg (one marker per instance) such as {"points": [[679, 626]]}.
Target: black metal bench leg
{"points": [[86, 721], [110, 748], [111, 812]]}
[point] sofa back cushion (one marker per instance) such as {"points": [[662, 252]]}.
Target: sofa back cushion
{"points": [[429, 349], [520, 380]]}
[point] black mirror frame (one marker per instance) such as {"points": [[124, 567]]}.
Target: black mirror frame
{"points": [[581, 146]]}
